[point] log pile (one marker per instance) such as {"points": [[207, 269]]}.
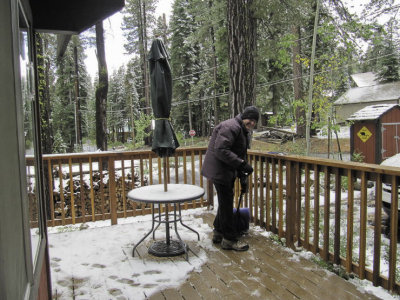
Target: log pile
{"points": [[82, 194], [276, 136]]}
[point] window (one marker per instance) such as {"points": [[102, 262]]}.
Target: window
{"points": [[28, 95]]}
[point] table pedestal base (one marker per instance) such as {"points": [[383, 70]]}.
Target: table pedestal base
{"points": [[162, 249], [175, 195]]}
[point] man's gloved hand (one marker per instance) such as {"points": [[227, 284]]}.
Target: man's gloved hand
{"points": [[246, 168], [244, 187]]}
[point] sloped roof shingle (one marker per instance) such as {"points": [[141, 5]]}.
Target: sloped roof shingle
{"points": [[375, 93], [371, 112]]}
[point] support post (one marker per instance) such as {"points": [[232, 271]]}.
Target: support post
{"points": [[165, 173], [290, 204], [112, 193]]}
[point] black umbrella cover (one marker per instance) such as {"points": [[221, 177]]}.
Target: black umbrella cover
{"points": [[164, 138]]}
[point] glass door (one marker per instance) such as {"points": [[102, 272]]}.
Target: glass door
{"points": [[28, 98]]}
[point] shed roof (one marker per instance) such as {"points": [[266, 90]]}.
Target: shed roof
{"points": [[375, 93], [365, 79], [371, 112]]}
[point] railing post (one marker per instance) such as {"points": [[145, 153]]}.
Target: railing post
{"points": [[377, 231], [393, 233], [290, 203], [112, 194]]}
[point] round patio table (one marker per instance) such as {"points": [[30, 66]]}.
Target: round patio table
{"points": [[156, 196]]}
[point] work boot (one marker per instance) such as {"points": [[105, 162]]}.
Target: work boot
{"points": [[217, 237], [234, 245]]}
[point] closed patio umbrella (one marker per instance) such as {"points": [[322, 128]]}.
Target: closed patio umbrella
{"points": [[164, 138]]}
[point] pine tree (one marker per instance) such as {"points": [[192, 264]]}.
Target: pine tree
{"points": [[210, 19], [59, 146], [161, 30], [185, 65], [64, 99], [388, 64], [132, 97], [101, 90], [63, 104], [46, 53], [118, 110], [388, 68], [138, 19]]}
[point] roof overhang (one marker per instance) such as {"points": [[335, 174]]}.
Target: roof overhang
{"points": [[71, 16]]}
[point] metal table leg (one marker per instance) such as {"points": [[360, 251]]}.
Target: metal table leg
{"points": [[151, 230], [180, 219], [159, 221], [184, 246]]}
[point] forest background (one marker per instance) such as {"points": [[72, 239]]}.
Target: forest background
{"points": [[205, 46]]}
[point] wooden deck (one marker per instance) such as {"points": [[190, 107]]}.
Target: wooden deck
{"points": [[266, 271]]}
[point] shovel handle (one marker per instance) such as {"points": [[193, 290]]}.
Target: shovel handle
{"points": [[240, 200]]}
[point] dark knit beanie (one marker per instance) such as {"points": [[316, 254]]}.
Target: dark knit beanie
{"points": [[250, 112]]}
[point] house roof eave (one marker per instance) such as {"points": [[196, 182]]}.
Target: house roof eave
{"points": [[71, 16]]}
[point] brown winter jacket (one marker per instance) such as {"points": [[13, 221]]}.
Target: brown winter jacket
{"points": [[226, 151]]}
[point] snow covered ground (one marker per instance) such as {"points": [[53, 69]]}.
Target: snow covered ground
{"points": [[342, 133], [96, 259]]}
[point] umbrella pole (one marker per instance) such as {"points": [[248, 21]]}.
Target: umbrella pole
{"points": [[165, 173]]}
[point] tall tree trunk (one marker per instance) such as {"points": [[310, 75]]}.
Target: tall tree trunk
{"points": [[190, 114], [203, 119], [78, 118], [298, 83], [44, 95], [164, 32], [46, 134], [143, 55], [132, 119], [242, 51], [122, 134], [101, 90], [215, 73], [276, 96], [311, 83], [145, 64]]}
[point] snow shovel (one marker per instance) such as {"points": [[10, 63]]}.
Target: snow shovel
{"points": [[241, 217]]}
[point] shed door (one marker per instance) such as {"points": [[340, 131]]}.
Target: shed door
{"points": [[390, 139], [365, 140]]}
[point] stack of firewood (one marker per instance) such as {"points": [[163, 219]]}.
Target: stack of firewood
{"points": [[276, 136], [82, 194]]}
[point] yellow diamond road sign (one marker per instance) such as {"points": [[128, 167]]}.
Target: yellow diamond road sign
{"points": [[364, 134]]}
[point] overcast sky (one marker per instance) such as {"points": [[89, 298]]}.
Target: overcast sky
{"points": [[114, 41]]}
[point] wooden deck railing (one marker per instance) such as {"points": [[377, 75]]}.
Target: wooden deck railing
{"points": [[328, 207], [323, 206], [100, 183]]}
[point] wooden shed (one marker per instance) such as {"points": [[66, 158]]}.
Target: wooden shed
{"points": [[368, 91], [375, 132]]}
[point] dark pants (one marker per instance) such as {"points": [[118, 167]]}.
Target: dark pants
{"points": [[223, 222]]}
